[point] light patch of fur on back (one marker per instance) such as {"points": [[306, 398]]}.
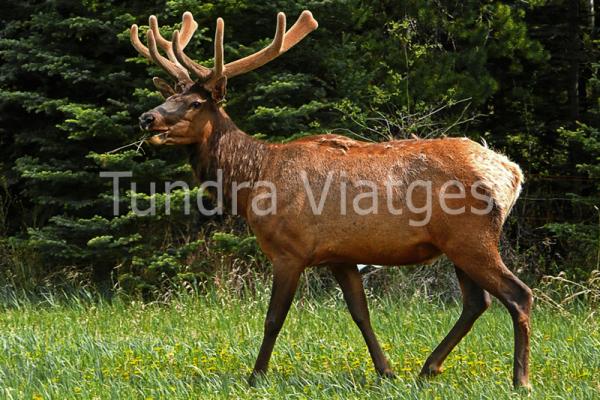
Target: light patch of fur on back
{"points": [[500, 175]]}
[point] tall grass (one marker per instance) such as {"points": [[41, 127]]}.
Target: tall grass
{"points": [[203, 346]]}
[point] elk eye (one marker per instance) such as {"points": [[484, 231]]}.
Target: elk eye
{"points": [[196, 104]]}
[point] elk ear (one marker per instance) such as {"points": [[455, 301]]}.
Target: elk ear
{"points": [[163, 87], [219, 90]]}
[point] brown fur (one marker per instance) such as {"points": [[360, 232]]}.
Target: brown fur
{"points": [[294, 238]]}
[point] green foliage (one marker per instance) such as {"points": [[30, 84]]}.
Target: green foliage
{"points": [[581, 239], [205, 346], [71, 88]]}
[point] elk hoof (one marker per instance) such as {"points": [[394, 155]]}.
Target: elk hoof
{"points": [[430, 371], [387, 374], [522, 386], [254, 377]]}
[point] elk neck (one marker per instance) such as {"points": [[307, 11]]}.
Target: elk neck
{"points": [[226, 148]]}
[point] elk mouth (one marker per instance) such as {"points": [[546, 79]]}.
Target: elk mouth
{"points": [[160, 136]]}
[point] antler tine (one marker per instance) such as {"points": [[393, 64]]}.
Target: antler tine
{"points": [[219, 57], [171, 65], [187, 31], [173, 69], [279, 33], [188, 27], [136, 42], [261, 57], [280, 44], [303, 26], [200, 71]]}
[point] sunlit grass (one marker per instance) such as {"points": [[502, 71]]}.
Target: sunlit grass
{"points": [[204, 347]]}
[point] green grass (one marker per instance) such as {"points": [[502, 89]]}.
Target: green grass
{"points": [[204, 347]]}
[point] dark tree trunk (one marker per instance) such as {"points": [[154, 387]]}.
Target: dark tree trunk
{"points": [[573, 57]]}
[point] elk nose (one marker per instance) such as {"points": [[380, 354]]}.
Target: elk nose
{"points": [[146, 120]]}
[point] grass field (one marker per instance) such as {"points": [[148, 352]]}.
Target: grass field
{"points": [[204, 347]]}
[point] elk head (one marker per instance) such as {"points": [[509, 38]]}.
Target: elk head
{"points": [[187, 113]]}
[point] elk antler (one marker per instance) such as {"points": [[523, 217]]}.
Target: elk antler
{"points": [[178, 63], [171, 65], [282, 42]]}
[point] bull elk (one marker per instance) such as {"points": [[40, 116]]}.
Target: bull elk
{"points": [[296, 237]]}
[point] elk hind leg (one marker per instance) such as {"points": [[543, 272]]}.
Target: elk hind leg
{"points": [[485, 267], [475, 302]]}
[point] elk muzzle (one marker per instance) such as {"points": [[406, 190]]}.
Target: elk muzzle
{"points": [[146, 120]]}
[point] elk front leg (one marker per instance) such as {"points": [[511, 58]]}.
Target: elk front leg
{"points": [[350, 281], [285, 282]]}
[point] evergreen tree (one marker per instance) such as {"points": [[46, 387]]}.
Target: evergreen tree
{"points": [[72, 87]]}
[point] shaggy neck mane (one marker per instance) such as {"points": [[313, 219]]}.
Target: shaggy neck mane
{"points": [[238, 155]]}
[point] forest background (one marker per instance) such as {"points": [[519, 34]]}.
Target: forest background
{"points": [[523, 76]]}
